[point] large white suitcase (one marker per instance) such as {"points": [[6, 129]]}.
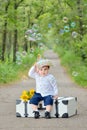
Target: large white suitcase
{"points": [[24, 109], [63, 107]]}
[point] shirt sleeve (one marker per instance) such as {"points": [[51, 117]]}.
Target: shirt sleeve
{"points": [[32, 72], [53, 83]]}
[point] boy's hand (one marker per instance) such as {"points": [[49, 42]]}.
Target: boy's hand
{"points": [[36, 68], [55, 97]]}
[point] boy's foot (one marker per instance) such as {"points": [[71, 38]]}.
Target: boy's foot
{"points": [[47, 115], [36, 114]]}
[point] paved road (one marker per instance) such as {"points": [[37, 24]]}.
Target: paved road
{"points": [[9, 94]]}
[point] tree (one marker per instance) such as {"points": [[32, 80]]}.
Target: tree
{"points": [[16, 5], [5, 30]]}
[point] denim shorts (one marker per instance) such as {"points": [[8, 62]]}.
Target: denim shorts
{"points": [[48, 100]]}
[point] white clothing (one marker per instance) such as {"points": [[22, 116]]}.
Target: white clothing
{"points": [[45, 85]]}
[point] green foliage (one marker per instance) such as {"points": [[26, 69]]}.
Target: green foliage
{"points": [[49, 16], [10, 72], [81, 74], [38, 51], [74, 64]]}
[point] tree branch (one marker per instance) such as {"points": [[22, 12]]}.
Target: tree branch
{"points": [[69, 5], [39, 13], [17, 4]]}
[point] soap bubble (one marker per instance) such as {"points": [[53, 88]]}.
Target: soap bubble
{"points": [[74, 73], [61, 31], [66, 28], [73, 24], [31, 39], [29, 31], [65, 19], [49, 25], [74, 34]]}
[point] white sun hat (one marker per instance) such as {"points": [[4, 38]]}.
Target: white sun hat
{"points": [[44, 62]]}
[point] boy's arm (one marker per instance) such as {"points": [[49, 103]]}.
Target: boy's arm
{"points": [[32, 72], [55, 87], [55, 90]]}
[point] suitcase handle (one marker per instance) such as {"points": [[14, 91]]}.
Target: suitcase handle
{"points": [[26, 114], [56, 107], [40, 107]]}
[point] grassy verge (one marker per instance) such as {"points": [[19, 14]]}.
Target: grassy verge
{"points": [[10, 72], [74, 64]]}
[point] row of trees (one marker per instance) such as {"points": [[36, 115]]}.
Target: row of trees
{"points": [[61, 20], [9, 26]]}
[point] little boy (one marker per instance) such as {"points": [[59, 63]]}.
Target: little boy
{"points": [[46, 87]]}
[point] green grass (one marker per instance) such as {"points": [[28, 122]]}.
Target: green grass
{"points": [[74, 64], [10, 72]]}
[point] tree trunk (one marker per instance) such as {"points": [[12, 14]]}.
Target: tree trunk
{"points": [[9, 44], [4, 33], [80, 14], [25, 47], [15, 32], [4, 40], [15, 45], [16, 5]]}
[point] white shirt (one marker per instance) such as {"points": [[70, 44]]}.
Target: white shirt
{"points": [[45, 85]]}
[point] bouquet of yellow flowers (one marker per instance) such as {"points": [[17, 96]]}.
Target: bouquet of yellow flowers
{"points": [[27, 95]]}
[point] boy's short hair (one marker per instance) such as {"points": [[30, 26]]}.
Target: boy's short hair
{"points": [[46, 66]]}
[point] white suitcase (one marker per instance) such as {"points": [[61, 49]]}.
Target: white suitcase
{"points": [[24, 109], [63, 107]]}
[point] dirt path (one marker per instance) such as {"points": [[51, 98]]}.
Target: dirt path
{"points": [[9, 94]]}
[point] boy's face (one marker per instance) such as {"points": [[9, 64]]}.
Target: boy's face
{"points": [[43, 71]]}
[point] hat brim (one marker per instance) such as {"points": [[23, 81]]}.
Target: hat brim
{"points": [[42, 63]]}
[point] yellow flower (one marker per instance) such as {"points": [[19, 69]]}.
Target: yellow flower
{"points": [[24, 92], [27, 95], [24, 97], [32, 91]]}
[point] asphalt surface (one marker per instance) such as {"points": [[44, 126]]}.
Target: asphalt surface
{"points": [[9, 93]]}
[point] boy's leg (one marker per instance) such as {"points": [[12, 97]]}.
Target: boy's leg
{"points": [[47, 112], [34, 102], [49, 108], [34, 107], [48, 102]]}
